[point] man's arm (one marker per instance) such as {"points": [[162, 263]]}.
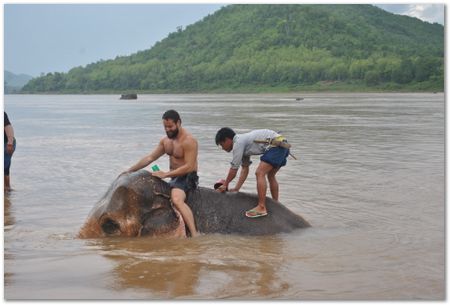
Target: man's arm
{"points": [[153, 156], [238, 153], [242, 178]]}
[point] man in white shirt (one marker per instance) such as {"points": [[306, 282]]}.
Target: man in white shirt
{"points": [[256, 142]]}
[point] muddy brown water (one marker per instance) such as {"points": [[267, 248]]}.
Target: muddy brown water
{"points": [[370, 178]]}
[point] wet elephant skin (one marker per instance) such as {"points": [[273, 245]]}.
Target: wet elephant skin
{"points": [[138, 204]]}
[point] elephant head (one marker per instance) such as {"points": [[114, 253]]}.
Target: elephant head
{"points": [[136, 204]]}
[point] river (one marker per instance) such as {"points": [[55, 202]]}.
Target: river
{"points": [[370, 178]]}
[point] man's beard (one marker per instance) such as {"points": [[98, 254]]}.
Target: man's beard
{"points": [[172, 134]]}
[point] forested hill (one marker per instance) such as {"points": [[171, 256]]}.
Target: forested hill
{"points": [[273, 46]]}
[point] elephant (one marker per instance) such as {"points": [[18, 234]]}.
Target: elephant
{"points": [[138, 204]]}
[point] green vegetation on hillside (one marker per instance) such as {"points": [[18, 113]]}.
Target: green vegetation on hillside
{"points": [[284, 47]]}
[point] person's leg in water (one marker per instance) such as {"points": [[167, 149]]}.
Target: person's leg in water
{"points": [[7, 164], [7, 184]]}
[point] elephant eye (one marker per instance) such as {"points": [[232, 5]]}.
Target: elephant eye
{"points": [[110, 226]]}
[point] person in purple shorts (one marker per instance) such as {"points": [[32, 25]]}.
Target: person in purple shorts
{"points": [[9, 148]]}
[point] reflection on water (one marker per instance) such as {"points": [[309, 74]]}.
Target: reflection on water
{"points": [[8, 220], [369, 179], [206, 267]]}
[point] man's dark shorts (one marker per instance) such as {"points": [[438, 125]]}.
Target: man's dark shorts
{"points": [[276, 156], [186, 183]]}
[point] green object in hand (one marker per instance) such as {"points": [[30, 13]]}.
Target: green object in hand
{"points": [[155, 168]]}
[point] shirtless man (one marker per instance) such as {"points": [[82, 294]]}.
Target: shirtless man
{"points": [[182, 149]]}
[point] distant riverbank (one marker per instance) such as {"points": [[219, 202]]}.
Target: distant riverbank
{"points": [[324, 86], [333, 87]]}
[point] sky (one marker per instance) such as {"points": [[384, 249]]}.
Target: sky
{"points": [[55, 37]]}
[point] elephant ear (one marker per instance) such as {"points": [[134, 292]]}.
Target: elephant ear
{"points": [[120, 198], [159, 221]]}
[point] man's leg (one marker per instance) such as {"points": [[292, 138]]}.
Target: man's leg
{"points": [[178, 197], [273, 183], [261, 185], [7, 185], [7, 164]]}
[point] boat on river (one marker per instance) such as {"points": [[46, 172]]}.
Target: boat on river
{"points": [[130, 96]]}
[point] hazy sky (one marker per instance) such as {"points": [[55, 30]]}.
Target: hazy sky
{"points": [[42, 38]]}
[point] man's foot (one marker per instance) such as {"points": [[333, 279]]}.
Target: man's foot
{"points": [[253, 213]]}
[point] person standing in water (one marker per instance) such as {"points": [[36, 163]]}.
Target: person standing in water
{"points": [[9, 148]]}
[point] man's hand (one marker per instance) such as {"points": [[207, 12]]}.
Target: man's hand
{"points": [[222, 188], [10, 148], [160, 174]]}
